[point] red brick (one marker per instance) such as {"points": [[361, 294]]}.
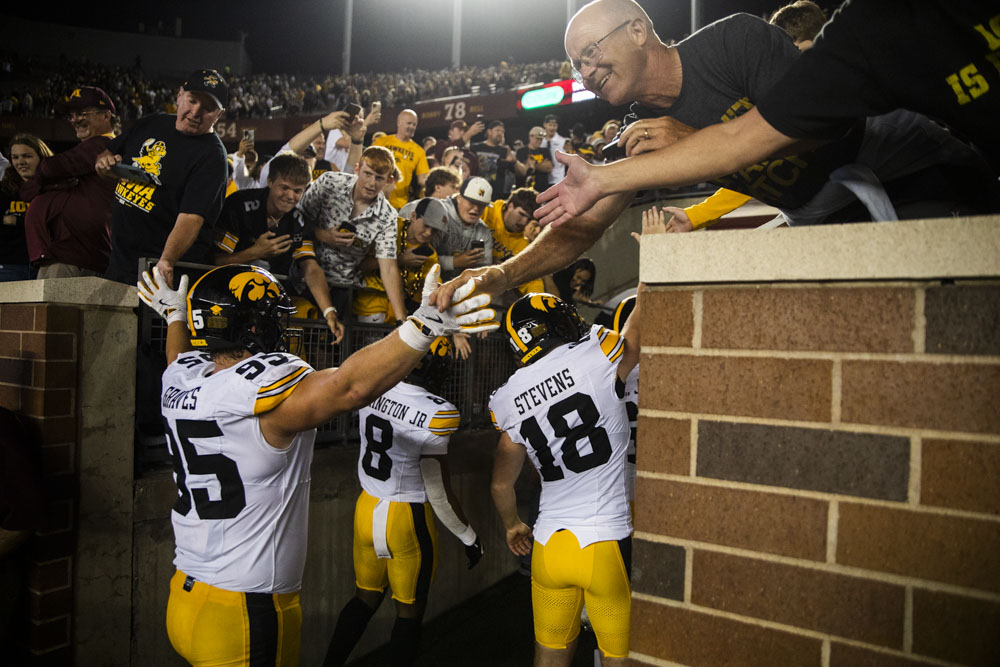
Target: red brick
{"points": [[688, 637], [752, 387], [47, 402], [948, 397], [54, 374], [56, 430], [843, 655], [673, 311], [49, 575], [663, 445], [15, 371], [57, 459], [49, 634], [918, 544], [823, 319], [59, 514], [49, 345], [766, 522], [835, 604], [57, 318], [960, 475], [53, 545], [17, 317], [51, 604], [62, 655], [956, 628], [10, 397], [10, 344]]}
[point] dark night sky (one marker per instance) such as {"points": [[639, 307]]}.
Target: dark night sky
{"points": [[388, 35]]}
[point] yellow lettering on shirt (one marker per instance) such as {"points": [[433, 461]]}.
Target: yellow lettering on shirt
{"points": [[135, 195]]}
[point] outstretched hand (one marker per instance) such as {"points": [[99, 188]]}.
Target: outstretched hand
{"points": [[572, 196], [653, 222], [469, 315], [155, 292], [488, 280]]}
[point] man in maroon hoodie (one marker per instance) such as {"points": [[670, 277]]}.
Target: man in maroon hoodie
{"points": [[69, 221]]}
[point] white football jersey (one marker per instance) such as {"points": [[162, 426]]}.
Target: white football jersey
{"points": [[397, 428], [564, 409], [632, 406], [242, 506]]}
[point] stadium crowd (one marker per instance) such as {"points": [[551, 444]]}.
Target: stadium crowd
{"points": [[360, 227], [34, 88]]}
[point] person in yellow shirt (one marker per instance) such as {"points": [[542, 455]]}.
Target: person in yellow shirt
{"points": [[415, 257], [410, 157], [507, 220]]}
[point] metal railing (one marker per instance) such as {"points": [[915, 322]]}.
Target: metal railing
{"points": [[472, 380]]}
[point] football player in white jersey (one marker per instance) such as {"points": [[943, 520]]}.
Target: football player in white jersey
{"points": [[565, 410], [241, 416], [404, 438]]}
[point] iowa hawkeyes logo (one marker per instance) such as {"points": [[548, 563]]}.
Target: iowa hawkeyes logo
{"points": [[543, 302], [212, 80], [252, 286], [75, 93], [441, 347], [150, 154]]}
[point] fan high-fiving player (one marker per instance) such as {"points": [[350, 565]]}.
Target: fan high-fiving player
{"points": [[404, 440], [565, 410], [241, 416]]}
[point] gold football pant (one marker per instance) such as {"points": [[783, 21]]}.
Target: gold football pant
{"points": [[210, 627], [564, 576], [411, 536]]}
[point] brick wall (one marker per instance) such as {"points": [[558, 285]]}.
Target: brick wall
{"points": [[38, 378], [818, 475]]}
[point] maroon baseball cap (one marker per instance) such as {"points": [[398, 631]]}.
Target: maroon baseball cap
{"points": [[460, 124], [85, 97]]}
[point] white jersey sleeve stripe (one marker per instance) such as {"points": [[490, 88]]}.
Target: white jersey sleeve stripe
{"points": [[611, 344], [271, 399]]}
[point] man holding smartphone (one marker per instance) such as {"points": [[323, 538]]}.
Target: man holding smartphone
{"points": [[461, 239], [348, 214]]}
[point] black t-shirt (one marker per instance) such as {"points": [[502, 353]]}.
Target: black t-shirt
{"points": [[190, 173], [13, 246], [538, 180], [244, 218], [940, 58], [492, 168], [727, 68]]}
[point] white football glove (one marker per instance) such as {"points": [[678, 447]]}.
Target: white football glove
{"points": [[170, 304], [426, 324]]}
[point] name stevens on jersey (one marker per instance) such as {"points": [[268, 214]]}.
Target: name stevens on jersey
{"points": [[543, 391], [179, 399], [397, 410]]}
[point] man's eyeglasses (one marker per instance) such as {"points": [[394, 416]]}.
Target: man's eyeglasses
{"points": [[74, 115], [592, 55]]}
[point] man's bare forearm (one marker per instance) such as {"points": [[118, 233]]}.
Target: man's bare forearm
{"points": [[709, 153], [555, 249]]}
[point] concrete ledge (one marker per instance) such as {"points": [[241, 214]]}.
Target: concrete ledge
{"points": [[920, 249], [83, 291]]}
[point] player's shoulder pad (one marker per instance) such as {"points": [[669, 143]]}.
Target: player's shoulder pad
{"points": [[446, 417], [274, 376], [612, 344]]}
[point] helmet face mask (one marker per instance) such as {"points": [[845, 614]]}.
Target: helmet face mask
{"points": [[434, 369], [539, 322], [238, 306]]}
